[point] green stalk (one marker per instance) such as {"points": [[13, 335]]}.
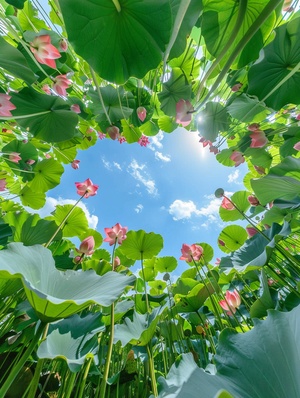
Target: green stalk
{"points": [[235, 30], [264, 15], [152, 371], [17, 368], [110, 343], [70, 384], [85, 375], [145, 286], [99, 93], [23, 116], [117, 5]]}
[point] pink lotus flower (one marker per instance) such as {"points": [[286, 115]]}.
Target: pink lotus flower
{"points": [[218, 261], [221, 242], [227, 204], [231, 303], [237, 157], [30, 162], [251, 231], [205, 142], [236, 87], [101, 136], [14, 157], [184, 110], [86, 188], [46, 89], [253, 200], [48, 156], [258, 139], [297, 146], [113, 132], [87, 246], [191, 252], [5, 105], [2, 185], [115, 234], [63, 45], [141, 113], [144, 141], [75, 164], [75, 108], [44, 51], [61, 83], [214, 149]]}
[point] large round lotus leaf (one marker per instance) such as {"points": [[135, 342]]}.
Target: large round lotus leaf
{"points": [[166, 264], [279, 58], [55, 294], [232, 238], [261, 363], [73, 339], [141, 245], [53, 120], [240, 200], [119, 43]]}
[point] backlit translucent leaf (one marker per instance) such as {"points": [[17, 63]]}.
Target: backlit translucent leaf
{"points": [[141, 245], [55, 294]]}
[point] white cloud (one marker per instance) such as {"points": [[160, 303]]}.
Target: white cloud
{"points": [[106, 164], [156, 141], [139, 208], [182, 210], [117, 165], [233, 177], [138, 172], [52, 202], [160, 156]]}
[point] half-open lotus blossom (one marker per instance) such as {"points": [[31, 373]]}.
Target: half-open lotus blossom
{"points": [[297, 146], [144, 141], [191, 252], [5, 105], [61, 83], [44, 51], [101, 135], [184, 111], [141, 113], [2, 185], [75, 164], [87, 246], [14, 157], [237, 157], [227, 204], [30, 162], [117, 262], [75, 108], [253, 127], [258, 139], [115, 234], [113, 132], [253, 200], [86, 188], [122, 140], [231, 303]]}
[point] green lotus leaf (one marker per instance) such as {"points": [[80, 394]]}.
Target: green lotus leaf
{"points": [[55, 294], [239, 198], [139, 331], [29, 197], [166, 264], [261, 363], [118, 43], [76, 224], [194, 299], [141, 245], [5, 233], [175, 89], [232, 237], [47, 175], [14, 61], [212, 120], [73, 339], [257, 250], [247, 109], [264, 302], [36, 231], [278, 59], [53, 121]]}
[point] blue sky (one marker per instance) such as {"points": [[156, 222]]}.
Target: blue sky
{"points": [[166, 188]]}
